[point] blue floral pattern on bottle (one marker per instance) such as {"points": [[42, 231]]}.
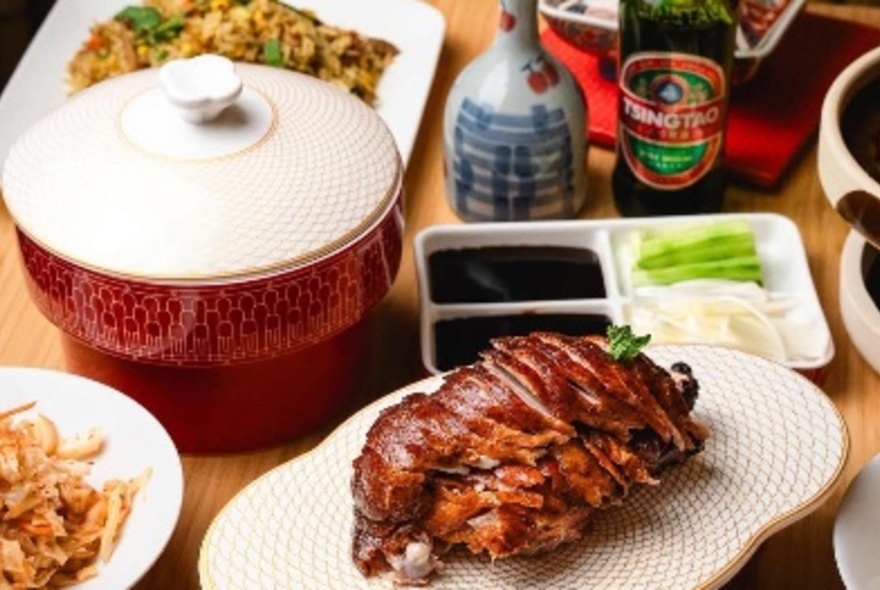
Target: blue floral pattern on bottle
{"points": [[515, 129], [512, 164]]}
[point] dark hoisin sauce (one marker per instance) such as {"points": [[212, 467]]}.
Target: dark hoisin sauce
{"points": [[460, 341], [514, 273]]}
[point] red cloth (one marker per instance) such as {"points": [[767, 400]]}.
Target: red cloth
{"points": [[771, 116]]}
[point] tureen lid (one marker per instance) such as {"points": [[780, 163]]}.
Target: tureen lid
{"points": [[203, 170]]}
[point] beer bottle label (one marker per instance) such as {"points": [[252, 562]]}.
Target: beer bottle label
{"points": [[671, 117]]}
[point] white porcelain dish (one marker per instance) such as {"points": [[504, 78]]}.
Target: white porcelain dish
{"points": [[603, 15], [857, 530], [37, 86], [134, 440], [860, 315], [774, 455], [591, 25], [778, 241]]}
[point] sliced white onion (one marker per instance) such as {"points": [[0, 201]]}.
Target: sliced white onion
{"points": [[728, 313]]}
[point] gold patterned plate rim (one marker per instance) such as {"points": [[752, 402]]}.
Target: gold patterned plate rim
{"points": [[777, 450]]}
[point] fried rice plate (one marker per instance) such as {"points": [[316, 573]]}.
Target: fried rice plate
{"points": [[254, 31]]}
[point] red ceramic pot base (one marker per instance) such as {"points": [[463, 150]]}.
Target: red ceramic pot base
{"points": [[238, 407]]}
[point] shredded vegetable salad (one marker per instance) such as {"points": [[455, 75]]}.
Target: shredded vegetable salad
{"points": [[54, 526]]}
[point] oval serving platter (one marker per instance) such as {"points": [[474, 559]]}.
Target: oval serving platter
{"points": [[776, 450]]}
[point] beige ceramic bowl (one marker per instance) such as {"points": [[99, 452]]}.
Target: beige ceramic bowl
{"points": [[848, 151], [849, 169], [857, 307]]}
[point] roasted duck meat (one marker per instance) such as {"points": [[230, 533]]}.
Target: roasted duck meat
{"points": [[513, 454]]}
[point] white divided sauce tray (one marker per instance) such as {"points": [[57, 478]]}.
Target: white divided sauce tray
{"points": [[480, 281]]}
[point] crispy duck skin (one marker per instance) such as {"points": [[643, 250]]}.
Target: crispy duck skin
{"points": [[513, 454]]}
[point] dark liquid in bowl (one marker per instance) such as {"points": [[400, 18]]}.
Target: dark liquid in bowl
{"points": [[871, 272], [514, 273], [460, 341], [860, 127]]}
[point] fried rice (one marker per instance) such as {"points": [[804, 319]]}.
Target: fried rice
{"points": [[255, 31]]}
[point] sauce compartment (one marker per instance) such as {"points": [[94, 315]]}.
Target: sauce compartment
{"points": [[481, 281], [487, 280], [458, 335], [495, 274]]}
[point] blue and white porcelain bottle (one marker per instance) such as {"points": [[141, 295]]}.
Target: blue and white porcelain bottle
{"points": [[514, 129]]}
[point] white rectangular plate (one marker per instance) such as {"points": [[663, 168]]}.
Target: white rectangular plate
{"points": [[783, 259], [38, 84]]}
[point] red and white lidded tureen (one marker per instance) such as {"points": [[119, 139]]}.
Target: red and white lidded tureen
{"points": [[210, 238]]}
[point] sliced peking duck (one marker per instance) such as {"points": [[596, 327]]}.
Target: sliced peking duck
{"points": [[512, 455]]}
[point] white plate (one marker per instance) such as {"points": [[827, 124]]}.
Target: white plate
{"points": [[603, 15], [776, 449], [785, 268], [37, 86], [857, 530], [134, 440]]}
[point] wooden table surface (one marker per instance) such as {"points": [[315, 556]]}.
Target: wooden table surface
{"points": [[800, 556]]}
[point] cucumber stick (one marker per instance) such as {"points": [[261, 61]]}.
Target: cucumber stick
{"points": [[720, 249], [694, 243], [737, 268]]}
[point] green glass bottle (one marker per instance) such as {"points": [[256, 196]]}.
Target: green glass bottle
{"points": [[675, 60]]}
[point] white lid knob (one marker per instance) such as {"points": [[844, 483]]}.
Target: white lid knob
{"points": [[200, 87]]}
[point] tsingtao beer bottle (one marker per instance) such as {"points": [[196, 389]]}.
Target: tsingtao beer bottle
{"points": [[675, 60]]}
